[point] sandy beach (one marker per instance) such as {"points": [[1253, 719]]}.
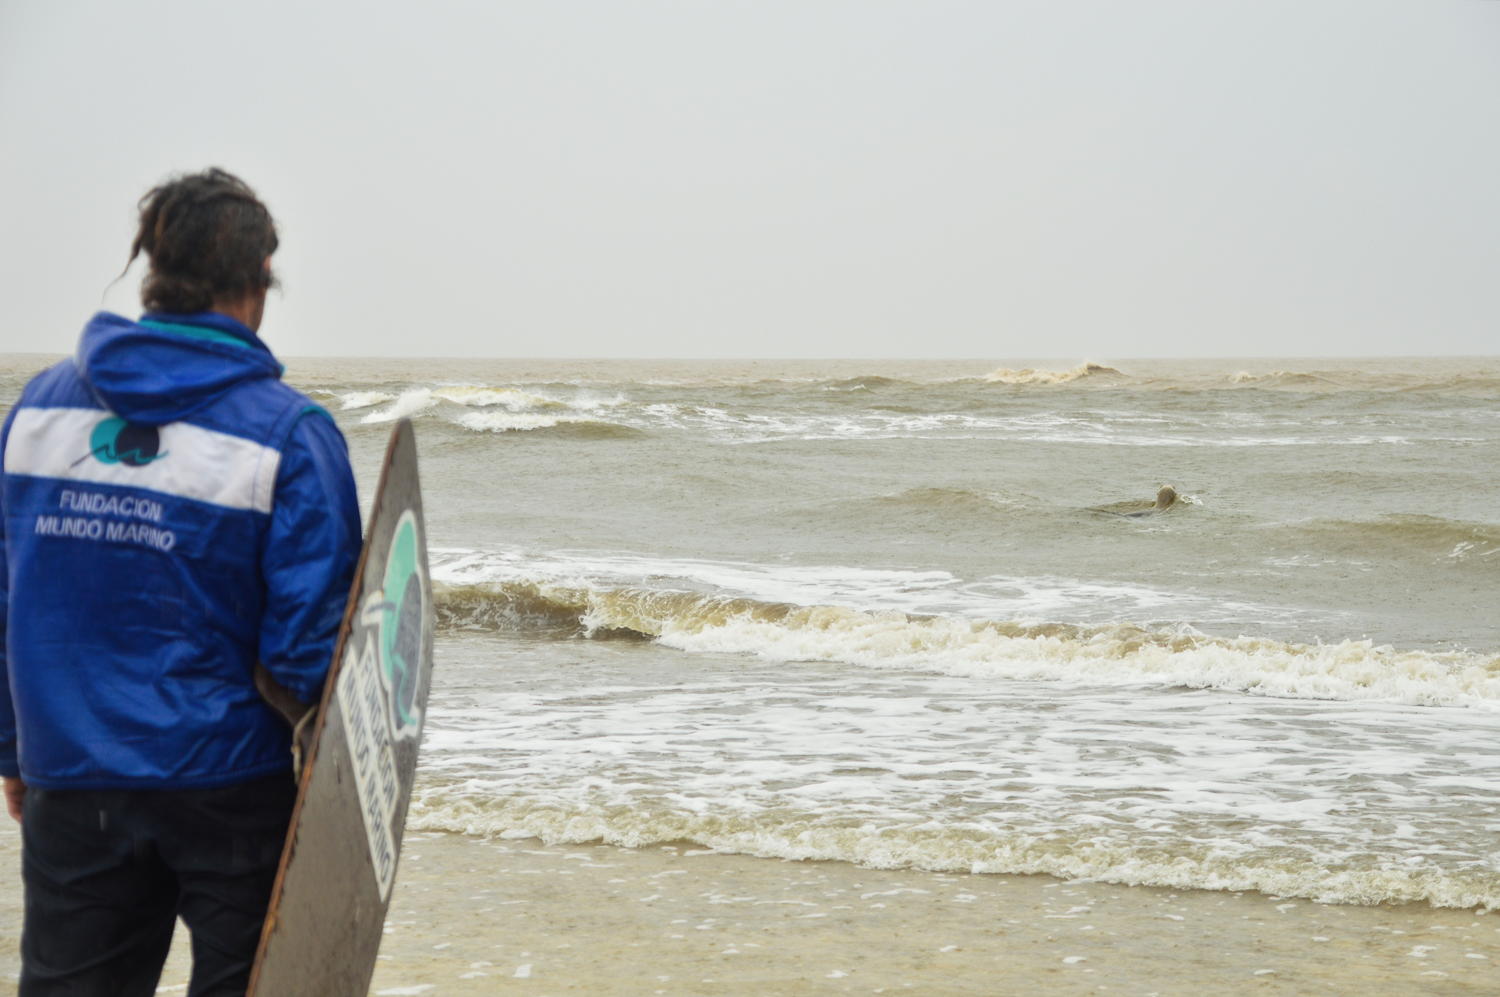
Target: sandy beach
{"points": [[475, 916]]}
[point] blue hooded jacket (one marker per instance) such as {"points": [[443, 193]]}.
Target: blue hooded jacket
{"points": [[173, 514]]}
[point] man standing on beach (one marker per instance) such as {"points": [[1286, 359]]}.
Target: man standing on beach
{"points": [[173, 514]]}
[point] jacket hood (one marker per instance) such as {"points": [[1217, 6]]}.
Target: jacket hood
{"points": [[165, 367]]}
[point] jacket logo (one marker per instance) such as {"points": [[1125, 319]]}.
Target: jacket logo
{"points": [[115, 441]]}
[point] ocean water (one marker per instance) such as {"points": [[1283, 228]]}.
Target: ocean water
{"points": [[926, 614]]}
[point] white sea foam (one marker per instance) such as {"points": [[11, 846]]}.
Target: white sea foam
{"points": [[500, 422], [1336, 802], [751, 423], [1348, 670], [1103, 428], [407, 404], [364, 399], [483, 408], [969, 848]]}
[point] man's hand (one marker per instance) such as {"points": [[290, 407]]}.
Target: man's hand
{"points": [[15, 792]]}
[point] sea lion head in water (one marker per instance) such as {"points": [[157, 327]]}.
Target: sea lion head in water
{"points": [[1166, 498]]}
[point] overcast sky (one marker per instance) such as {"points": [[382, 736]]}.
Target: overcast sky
{"points": [[808, 178]]}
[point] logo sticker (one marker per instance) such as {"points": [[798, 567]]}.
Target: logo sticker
{"points": [[377, 692], [399, 613]]}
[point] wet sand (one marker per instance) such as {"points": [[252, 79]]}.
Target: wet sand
{"points": [[518, 917]]}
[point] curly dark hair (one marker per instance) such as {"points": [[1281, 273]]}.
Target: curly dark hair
{"points": [[207, 237]]}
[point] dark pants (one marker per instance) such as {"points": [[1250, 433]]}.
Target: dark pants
{"points": [[108, 872]]}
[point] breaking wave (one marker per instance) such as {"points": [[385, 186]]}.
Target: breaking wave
{"points": [[487, 410], [1479, 380], [868, 383], [1115, 655], [1282, 379], [1029, 376], [1092, 851]]}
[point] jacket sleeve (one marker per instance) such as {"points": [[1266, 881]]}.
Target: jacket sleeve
{"points": [[9, 766], [311, 549]]}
